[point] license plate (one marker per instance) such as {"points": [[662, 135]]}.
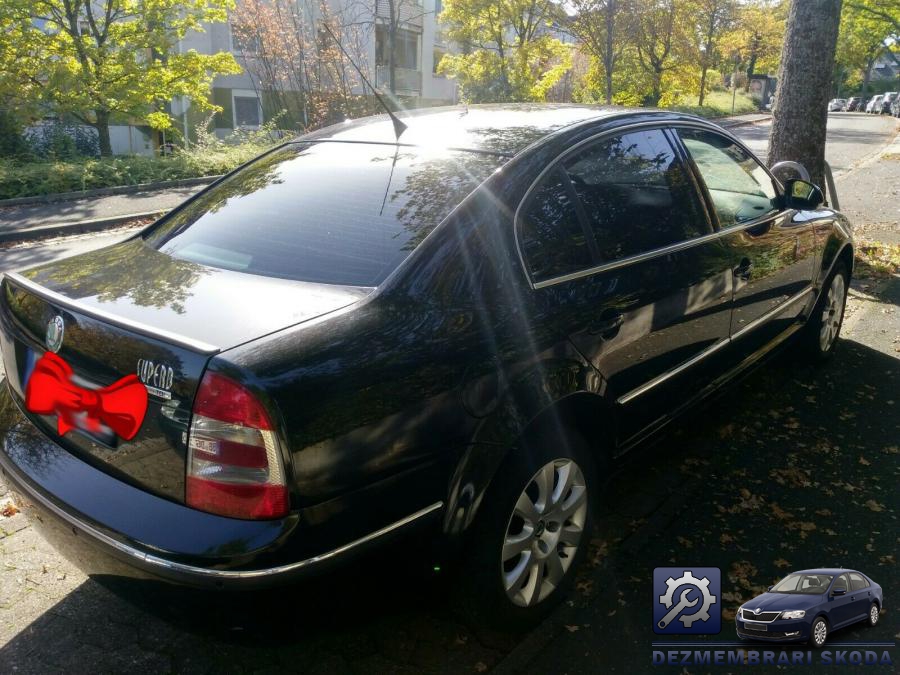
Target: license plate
{"points": [[756, 626]]}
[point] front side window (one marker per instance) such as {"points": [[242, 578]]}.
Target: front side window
{"points": [[740, 188], [637, 196], [334, 213], [553, 239]]}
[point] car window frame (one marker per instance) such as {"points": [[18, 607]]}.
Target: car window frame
{"points": [[602, 266], [862, 577], [698, 176]]}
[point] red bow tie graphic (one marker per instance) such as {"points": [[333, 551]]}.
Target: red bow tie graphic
{"points": [[121, 406]]}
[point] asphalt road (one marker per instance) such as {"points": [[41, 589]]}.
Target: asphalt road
{"points": [[796, 467]]}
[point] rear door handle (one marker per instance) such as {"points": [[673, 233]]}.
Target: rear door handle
{"points": [[744, 270], [607, 325]]}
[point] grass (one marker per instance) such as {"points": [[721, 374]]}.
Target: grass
{"points": [[718, 104], [27, 179], [877, 259]]}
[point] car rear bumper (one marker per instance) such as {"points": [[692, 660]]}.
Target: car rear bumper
{"points": [[109, 527]]}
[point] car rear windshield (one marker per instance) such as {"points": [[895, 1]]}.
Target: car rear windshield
{"points": [[334, 213]]}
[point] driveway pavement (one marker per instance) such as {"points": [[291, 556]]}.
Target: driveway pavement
{"points": [[796, 467]]}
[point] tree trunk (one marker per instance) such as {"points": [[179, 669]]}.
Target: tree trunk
{"points": [[609, 56], [751, 65], [702, 84], [102, 127], [800, 112], [867, 75], [392, 46]]}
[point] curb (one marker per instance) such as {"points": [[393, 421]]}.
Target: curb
{"points": [[102, 192], [80, 227]]}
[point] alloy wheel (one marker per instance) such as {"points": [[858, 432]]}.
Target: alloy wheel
{"points": [[833, 312], [544, 532], [873, 615], [820, 632]]}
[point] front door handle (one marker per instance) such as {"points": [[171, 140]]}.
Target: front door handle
{"points": [[607, 325], [744, 270]]}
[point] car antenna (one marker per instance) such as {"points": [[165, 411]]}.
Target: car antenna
{"points": [[399, 126]]}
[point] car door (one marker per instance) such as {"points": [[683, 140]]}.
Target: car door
{"points": [[772, 249], [840, 607], [860, 596], [649, 296]]}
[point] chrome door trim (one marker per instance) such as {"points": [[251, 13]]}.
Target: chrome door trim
{"points": [[107, 317], [659, 379], [712, 349], [655, 253], [772, 313]]}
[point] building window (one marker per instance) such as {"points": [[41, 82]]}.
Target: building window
{"points": [[243, 41], [406, 52], [247, 111], [438, 7]]}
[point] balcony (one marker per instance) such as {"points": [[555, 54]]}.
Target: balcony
{"points": [[407, 81], [411, 13]]}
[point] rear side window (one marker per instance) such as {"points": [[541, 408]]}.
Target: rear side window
{"points": [[335, 213], [740, 188], [636, 194], [857, 582], [553, 240]]}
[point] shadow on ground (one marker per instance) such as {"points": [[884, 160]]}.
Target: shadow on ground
{"points": [[795, 467]]}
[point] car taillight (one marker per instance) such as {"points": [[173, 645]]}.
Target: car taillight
{"points": [[234, 465]]}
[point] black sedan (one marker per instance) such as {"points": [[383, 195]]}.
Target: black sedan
{"points": [[355, 335], [809, 605]]}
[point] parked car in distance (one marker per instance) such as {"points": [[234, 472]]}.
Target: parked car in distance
{"points": [[895, 106], [350, 337], [853, 103], [836, 104], [809, 605], [887, 101], [874, 105]]}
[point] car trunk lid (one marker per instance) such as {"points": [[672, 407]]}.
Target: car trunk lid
{"points": [[143, 312]]}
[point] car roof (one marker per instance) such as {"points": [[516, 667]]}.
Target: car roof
{"points": [[503, 129], [825, 570]]}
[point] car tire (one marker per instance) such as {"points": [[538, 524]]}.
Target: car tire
{"points": [[874, 614], [820, 334], [530, 536], [818, 634]]}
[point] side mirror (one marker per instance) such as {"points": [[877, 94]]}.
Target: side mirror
{"points": [[803, 195], [769, 589], [838, 590]]}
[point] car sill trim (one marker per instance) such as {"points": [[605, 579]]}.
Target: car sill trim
{"points": [[153, 561], [107, 317], [713, 348]]}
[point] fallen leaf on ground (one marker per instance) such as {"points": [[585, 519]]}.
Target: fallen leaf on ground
{"points": [[9, 510]]}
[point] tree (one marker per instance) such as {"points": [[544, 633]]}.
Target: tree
{"points": [[600, 25], [509, 53], [756, 36], [800, 113], [659, 32], [297, 70], [886, 10], [864, 34], [713, 18], [99, 58]]}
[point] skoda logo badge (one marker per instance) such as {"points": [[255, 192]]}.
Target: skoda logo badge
{"points": [[55, 330], [757, 610]]}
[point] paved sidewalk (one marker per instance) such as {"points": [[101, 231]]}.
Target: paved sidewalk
{"points": [[30, 217]]}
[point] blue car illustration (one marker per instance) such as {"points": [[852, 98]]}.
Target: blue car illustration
{"points": [[807, 606]]}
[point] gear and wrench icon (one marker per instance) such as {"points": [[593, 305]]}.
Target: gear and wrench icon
{"points": [[701, 584]]}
